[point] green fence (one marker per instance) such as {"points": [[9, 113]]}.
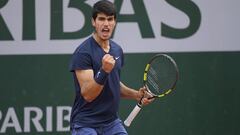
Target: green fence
{"points": [[37, 92]]}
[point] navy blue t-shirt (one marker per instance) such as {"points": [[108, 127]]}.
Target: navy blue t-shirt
{"points": [[104, 108]]}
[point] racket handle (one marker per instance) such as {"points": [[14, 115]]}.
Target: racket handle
{"points": [[132, 115]]}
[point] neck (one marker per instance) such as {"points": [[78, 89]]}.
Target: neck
{"points": [[104, 44]]}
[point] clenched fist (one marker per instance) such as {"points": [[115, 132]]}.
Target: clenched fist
{"points": [[108, 63]]}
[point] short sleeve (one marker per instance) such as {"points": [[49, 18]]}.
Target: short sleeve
{"points": [[80, 61]]}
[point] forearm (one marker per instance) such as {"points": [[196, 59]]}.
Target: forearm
{"points": [[129, 93], [91, 90]]}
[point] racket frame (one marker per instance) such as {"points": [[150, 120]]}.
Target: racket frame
{"points": [[146, 74], [138, 107]]}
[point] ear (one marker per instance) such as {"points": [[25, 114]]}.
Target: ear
{"points": [[115, 22], [93, 22]]}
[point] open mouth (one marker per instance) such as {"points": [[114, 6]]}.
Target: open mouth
{"points": [[105, 30]]}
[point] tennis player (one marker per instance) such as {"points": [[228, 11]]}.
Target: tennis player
{"points": [[96, 65]]}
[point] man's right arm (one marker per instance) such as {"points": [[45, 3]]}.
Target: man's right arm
{"points": [[90, 89]]}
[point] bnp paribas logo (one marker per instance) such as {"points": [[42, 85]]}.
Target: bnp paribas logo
{"points": [[30, 19], [35, 119]]}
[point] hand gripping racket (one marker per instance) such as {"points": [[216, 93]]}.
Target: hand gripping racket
{"points": [[159, 79]]}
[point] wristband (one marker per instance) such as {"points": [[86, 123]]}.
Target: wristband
{"points": [[101, 77]]}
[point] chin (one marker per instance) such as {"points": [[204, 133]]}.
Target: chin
{"points": [[106, 38]]}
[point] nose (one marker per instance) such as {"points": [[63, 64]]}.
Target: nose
{"points": [[106, 22]]}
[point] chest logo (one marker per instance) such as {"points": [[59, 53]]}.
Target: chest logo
{"points": [[116, 58]]}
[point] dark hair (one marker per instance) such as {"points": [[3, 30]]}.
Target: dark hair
{"points": [[103, 6]]}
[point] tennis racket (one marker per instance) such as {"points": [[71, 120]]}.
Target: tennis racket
{"points": [[159, 79]]}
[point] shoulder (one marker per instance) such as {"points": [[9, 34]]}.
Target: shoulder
{"points": [[115, 46], [85, 46]]}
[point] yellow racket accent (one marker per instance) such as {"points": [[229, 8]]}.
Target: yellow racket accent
{"points": [[161, 95], [145, 77], [147, 67], [167, 92], [145, 73]]}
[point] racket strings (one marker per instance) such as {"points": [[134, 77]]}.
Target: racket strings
{"points": [[161, 75], [153, 78]]}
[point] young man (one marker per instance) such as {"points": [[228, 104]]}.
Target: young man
{"points": [[96, 66]]}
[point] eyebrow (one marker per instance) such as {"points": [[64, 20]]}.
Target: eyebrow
{"points": [[108, 17]]}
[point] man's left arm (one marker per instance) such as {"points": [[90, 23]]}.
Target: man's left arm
{"points": [[130, 93]]}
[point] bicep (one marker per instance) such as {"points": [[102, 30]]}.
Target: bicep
{"points": [[84, 76], [89, 88]]}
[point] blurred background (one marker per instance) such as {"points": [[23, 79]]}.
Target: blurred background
{"points": [[37, 39]]}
